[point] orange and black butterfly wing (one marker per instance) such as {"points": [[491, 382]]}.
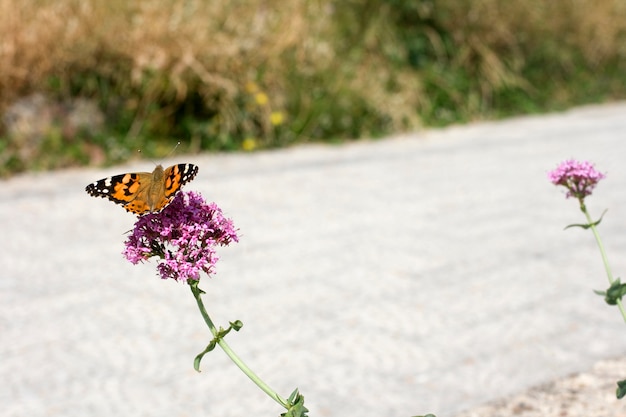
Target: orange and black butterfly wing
{"points": [[124, 189], [174, 178]]}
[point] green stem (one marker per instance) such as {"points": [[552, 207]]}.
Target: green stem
{"points": [[605, 259], [197, 292]]}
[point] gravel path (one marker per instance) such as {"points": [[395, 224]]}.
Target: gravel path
{"points": [[422, 273], [586, 394]]}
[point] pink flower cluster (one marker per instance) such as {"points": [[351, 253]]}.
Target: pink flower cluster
{"points": [[578, 177], [184, 236]]}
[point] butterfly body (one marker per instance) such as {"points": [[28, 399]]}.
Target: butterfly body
{"points": [[144, 192]]}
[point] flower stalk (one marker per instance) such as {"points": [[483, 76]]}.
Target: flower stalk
{"points": [[605, 260], [183, 238], [197, 293], [580, 178]]}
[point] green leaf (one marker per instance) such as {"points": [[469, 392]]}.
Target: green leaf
{"points": [[621, 389], [295, 405], [614, 293], [236, 325], [198, 358], [196, 361], [587, 226], [427, 415]]}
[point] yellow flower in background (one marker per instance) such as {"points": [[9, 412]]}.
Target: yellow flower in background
{"points": [[261, 98], [249, 144], [277, 118]]}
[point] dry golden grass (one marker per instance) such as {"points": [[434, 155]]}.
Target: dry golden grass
{"points": [[166, 49], [497, 38], [252, 63]]}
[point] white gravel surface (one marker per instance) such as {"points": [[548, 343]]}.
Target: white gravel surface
{"points": [[587, 394], [422, 273]]}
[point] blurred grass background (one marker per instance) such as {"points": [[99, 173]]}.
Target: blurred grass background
{"points": [[92, 81]]}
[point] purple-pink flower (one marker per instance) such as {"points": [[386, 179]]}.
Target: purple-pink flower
{"points": [[184, 236], [579, 177]]}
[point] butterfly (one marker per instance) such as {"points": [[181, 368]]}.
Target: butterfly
{"points": [[144, 192]]}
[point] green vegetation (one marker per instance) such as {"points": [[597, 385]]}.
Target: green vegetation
{"points": [[250, 74]]}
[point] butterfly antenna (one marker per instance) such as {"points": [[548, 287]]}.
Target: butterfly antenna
{"points": [[149, 159], [172, 151], [166, 156]]}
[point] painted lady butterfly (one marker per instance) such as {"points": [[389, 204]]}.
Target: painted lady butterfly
{"points": [[144, 192]]}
